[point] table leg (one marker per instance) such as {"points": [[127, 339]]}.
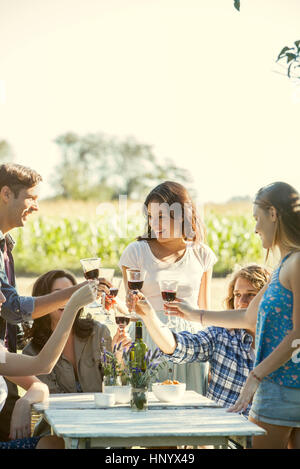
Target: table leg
{"points": [[71, 443], [240, 442]]}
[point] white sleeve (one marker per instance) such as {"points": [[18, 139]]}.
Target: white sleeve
{"points": [[131, 256], [207, 256], [2, 352], [3, 392]]}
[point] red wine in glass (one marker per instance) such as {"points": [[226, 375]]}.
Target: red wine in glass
{"points": [[91, 274], [168, 295], [113, 292], [138, 285], [122, 320]]}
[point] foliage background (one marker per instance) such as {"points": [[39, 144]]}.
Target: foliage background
{"points": [[66, 231]]}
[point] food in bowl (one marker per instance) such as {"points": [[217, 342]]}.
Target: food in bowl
{"points": [[166, 392], [170, 381]]}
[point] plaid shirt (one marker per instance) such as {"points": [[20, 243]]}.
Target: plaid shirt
{"points": [[230, 356]]}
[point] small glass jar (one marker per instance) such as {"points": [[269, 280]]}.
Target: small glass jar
{"points": [[111, 380], [139, 399]]}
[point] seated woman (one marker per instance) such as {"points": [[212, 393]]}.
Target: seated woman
{"points": [[78, 369], [230, 352], [13, 365]]}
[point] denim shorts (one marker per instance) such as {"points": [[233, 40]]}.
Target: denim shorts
{"points": [[277, 405]]}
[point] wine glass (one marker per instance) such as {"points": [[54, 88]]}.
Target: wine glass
{"points": [[91, 271], [168, 289], [113, 292], [122, 320], [135, 283], [114, 289]]}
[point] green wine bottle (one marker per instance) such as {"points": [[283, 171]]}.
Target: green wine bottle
{"points": [[139, 349]]}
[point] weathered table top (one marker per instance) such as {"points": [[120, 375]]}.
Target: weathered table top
{"points": [[155, 427], [195, 420], [91, 423], [86, 401]]}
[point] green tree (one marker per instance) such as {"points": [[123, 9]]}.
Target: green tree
{"points": [[102, 167]]}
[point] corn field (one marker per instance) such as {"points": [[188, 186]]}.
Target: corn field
{"points": [[59, 241]]}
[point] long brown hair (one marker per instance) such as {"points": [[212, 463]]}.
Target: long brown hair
{"points": [[286, 200], [40, 331], [258, 276], [171, 193]]}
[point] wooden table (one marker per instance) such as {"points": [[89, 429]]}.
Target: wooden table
{"points": [[194, 421], [86, 401]]}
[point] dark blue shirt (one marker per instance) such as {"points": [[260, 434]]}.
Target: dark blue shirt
{"points": [[16, 308]]}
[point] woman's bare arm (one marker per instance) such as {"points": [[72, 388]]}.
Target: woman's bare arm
{"points": [[13, 364], [204, 299], [20, 424], [47, 303], [231, 319]]}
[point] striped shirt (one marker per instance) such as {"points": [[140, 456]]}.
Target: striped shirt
{"points": [[229, 353]]}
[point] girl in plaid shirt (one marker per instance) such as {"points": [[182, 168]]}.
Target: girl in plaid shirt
{"points": [[229, 351]]}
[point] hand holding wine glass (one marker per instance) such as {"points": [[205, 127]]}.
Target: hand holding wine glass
{"points": [[168, 288], [140, 304], [135, 284], [109, 299], [91, 271], [121, 336], [181, 308]]}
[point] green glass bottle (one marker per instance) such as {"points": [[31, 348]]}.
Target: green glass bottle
{"points": [[139, 349]]}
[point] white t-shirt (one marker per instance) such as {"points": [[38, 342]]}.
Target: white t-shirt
{"points": [[188, 271], [3, 386]]}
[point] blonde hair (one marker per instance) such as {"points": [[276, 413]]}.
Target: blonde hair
{"points": [[258, 276]]}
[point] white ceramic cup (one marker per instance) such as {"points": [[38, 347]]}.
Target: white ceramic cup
{"points": [[103, 399]]}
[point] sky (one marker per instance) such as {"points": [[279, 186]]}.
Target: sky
{"points": [[195, 79]]}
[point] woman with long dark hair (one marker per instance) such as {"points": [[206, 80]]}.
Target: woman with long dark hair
{"points": [[79, 367], [173, 244]]}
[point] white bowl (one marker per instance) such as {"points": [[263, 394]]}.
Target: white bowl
{"points": [[122, 393], [103, 399], [168, 392]]}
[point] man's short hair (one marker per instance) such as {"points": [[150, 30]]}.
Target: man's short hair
{"points": [[18, 177]]}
